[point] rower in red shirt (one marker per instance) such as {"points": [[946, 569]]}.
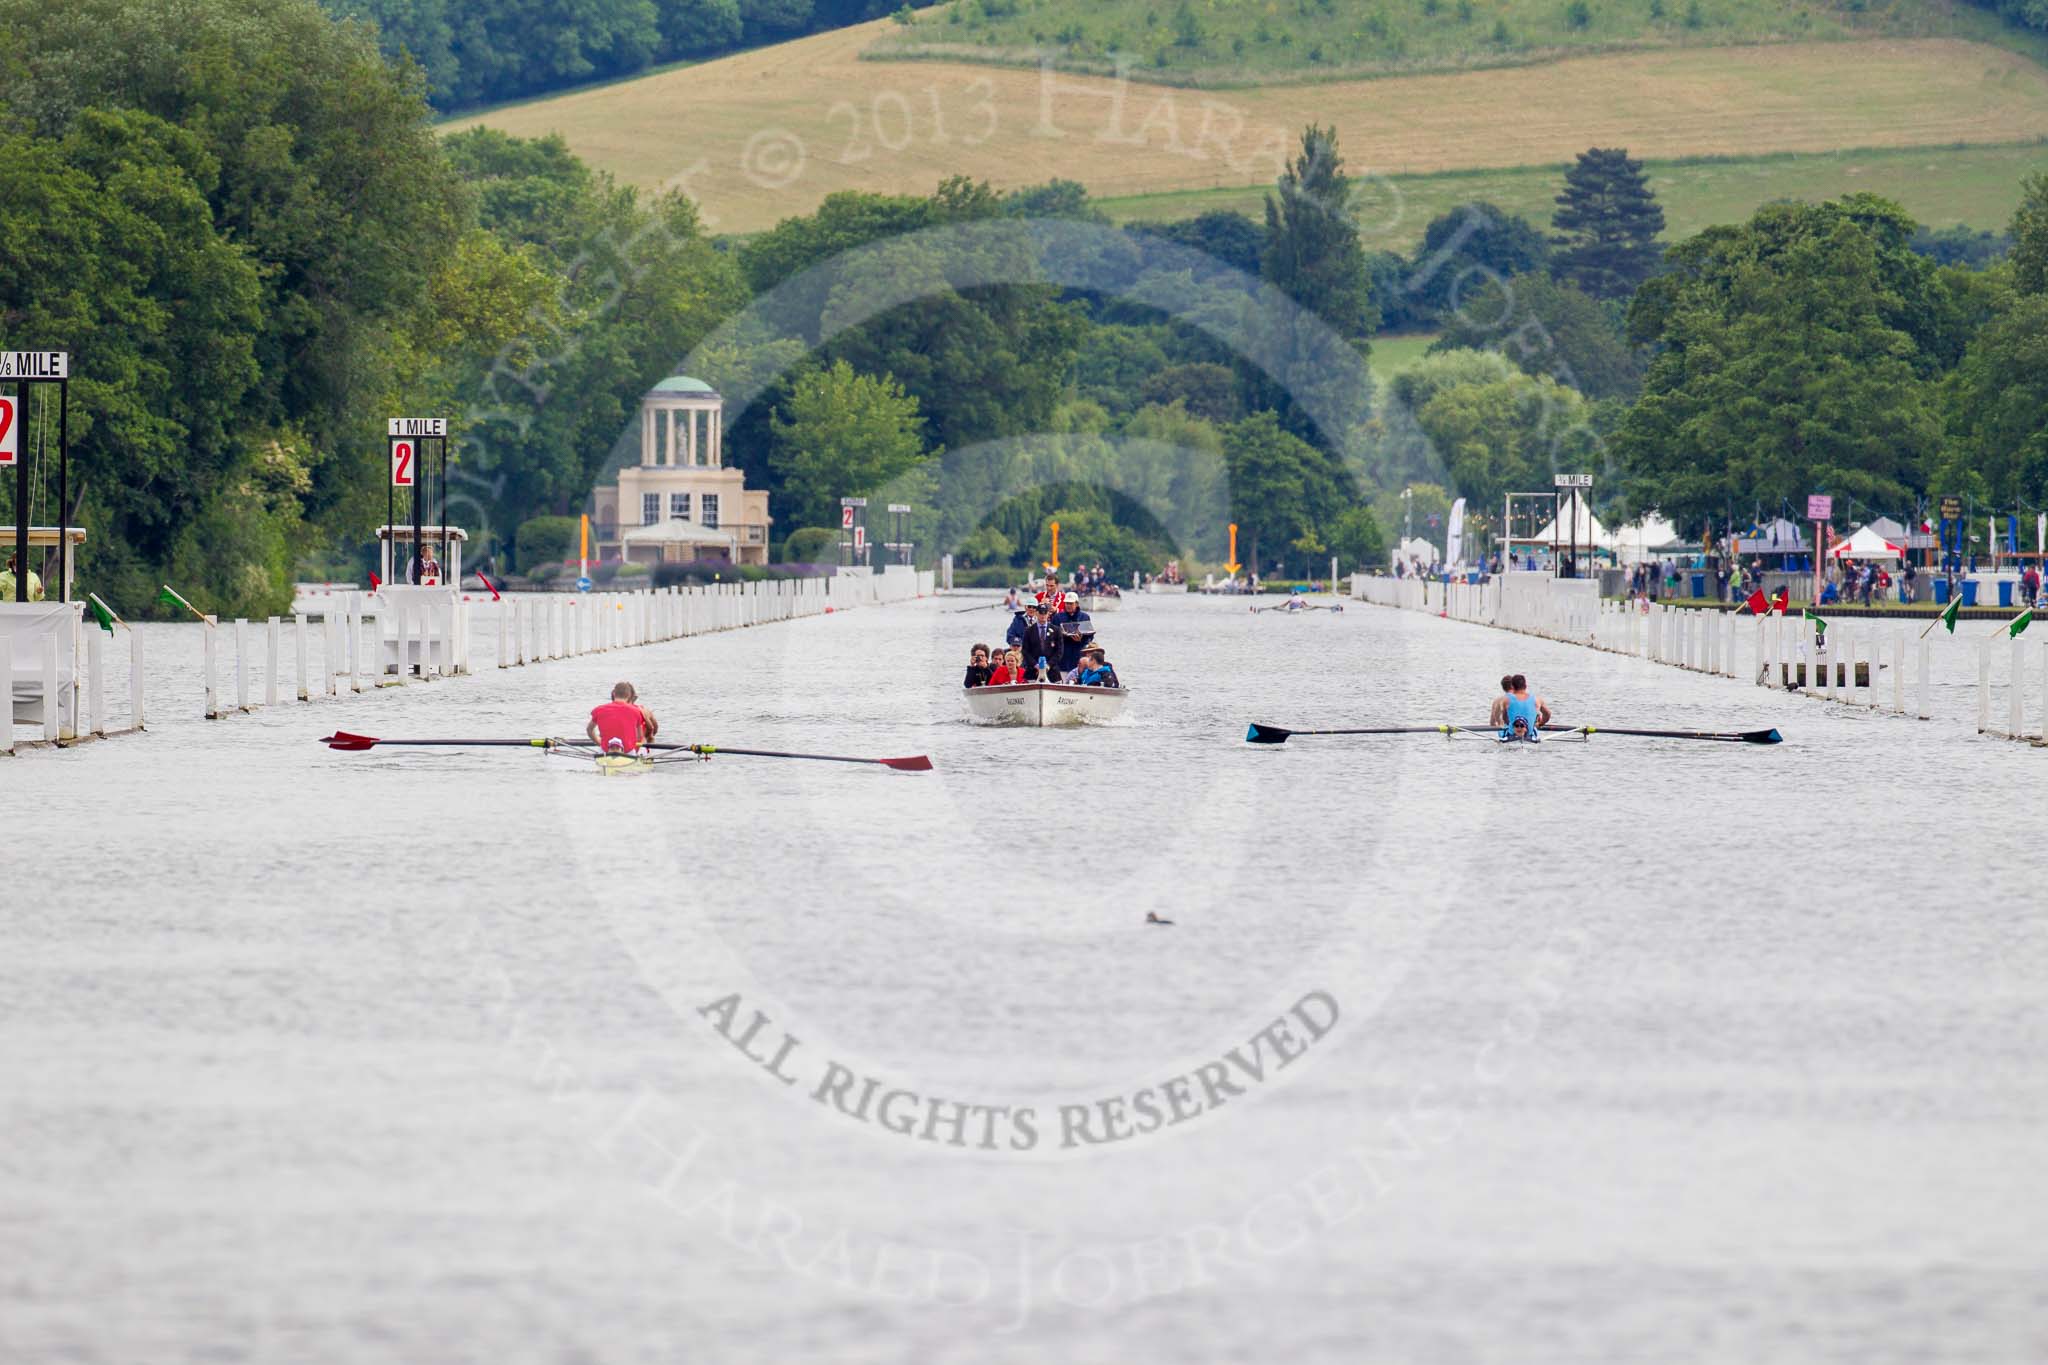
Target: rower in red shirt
{"points": [[621, 725]]}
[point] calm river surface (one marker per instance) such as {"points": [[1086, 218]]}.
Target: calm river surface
{"points": [[1629, 1050]]}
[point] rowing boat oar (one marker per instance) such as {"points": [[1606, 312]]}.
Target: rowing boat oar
{"points": [[342, 740], [1724, 737], [348, 743], [1273, 734], [918, 763]]}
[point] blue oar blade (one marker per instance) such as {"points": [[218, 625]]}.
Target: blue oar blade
{"points": [[1266, 734]]}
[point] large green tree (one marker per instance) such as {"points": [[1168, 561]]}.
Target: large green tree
{"points": [[1312, 250], [1997, 398], [1549, 327], [842, 434], [1607, 222], [1283, 493], [1465, 249], [1791, 360]]}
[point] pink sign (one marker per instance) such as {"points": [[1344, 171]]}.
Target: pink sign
{"points": [[1819, 506]]}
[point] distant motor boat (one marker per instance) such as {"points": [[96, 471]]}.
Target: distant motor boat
{"points": [[1045, 704], [1156, 586], [1096, 605]]}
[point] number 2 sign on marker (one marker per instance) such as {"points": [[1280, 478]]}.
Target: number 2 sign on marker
{"points": [[401, 464], [9, 441]]}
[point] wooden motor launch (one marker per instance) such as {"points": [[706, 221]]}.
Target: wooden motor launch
{"points": [[1045, 704]]}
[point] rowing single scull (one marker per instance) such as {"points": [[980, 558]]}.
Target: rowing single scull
{"points": [[349, 743], [1273, 734]]}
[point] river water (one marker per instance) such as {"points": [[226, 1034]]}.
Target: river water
{"points": [[1621, 1050]]}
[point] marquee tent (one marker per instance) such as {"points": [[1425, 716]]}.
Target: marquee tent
{"points": [[1866, 544]]}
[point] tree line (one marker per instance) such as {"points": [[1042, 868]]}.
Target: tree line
{"points": [[477, 52], [246, 232]]}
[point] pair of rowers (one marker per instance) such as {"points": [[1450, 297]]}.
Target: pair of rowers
{"points": [[1517, 713]]}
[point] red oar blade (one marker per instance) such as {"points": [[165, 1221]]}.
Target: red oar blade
{"points": [[919, 764], [343, 740]]}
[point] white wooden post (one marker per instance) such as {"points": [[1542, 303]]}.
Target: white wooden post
{"points": [[135, 676], [1983, 685], [6, 693], [271, 629], [53, 718], [241, 673], [352, 622], [96, 667], [212, 693], [1899, 671], [2015, 721], [1920, 677], [299, 649], [500, 611]]}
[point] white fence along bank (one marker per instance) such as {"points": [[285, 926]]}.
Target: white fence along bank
{"points": [[1884, 664], [359, 642]]}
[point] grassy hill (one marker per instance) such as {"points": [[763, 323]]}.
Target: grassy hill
{"points": [[1942, 187], [766, 134], [1219, 43]]}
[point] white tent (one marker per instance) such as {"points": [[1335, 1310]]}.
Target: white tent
{"points": [[1590, 531], [1889, 529], [1778, 537], [1416, 549], [1866, 544], [1640, 540]]}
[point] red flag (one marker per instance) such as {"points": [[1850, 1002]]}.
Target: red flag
{"points": [[1758, 604], [489, 584], [1782, 600], [375, 582]]}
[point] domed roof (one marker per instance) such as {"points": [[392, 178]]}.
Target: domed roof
{"points": [[682, 384]]}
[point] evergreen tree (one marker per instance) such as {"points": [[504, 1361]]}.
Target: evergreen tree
{"points": [[1312, 250], [1607, 221]]}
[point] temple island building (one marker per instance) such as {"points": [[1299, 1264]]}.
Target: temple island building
{"points": [[681, 502]]}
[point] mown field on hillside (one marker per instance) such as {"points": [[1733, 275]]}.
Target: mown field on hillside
{"points": [[767, 134], [1942, 187], [1216, 43]]}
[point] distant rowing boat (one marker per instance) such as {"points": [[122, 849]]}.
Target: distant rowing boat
{"points": [[1156, 586], [1274, 734], [1045, 704], [1095, 604]]}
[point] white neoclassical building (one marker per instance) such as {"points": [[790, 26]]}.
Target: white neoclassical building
{"points": [[681, 502]]}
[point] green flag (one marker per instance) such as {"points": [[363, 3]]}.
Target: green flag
{"points": [[2020, 623], [169, 597], [100, 613], [1820, 627], [1948, 613]]}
